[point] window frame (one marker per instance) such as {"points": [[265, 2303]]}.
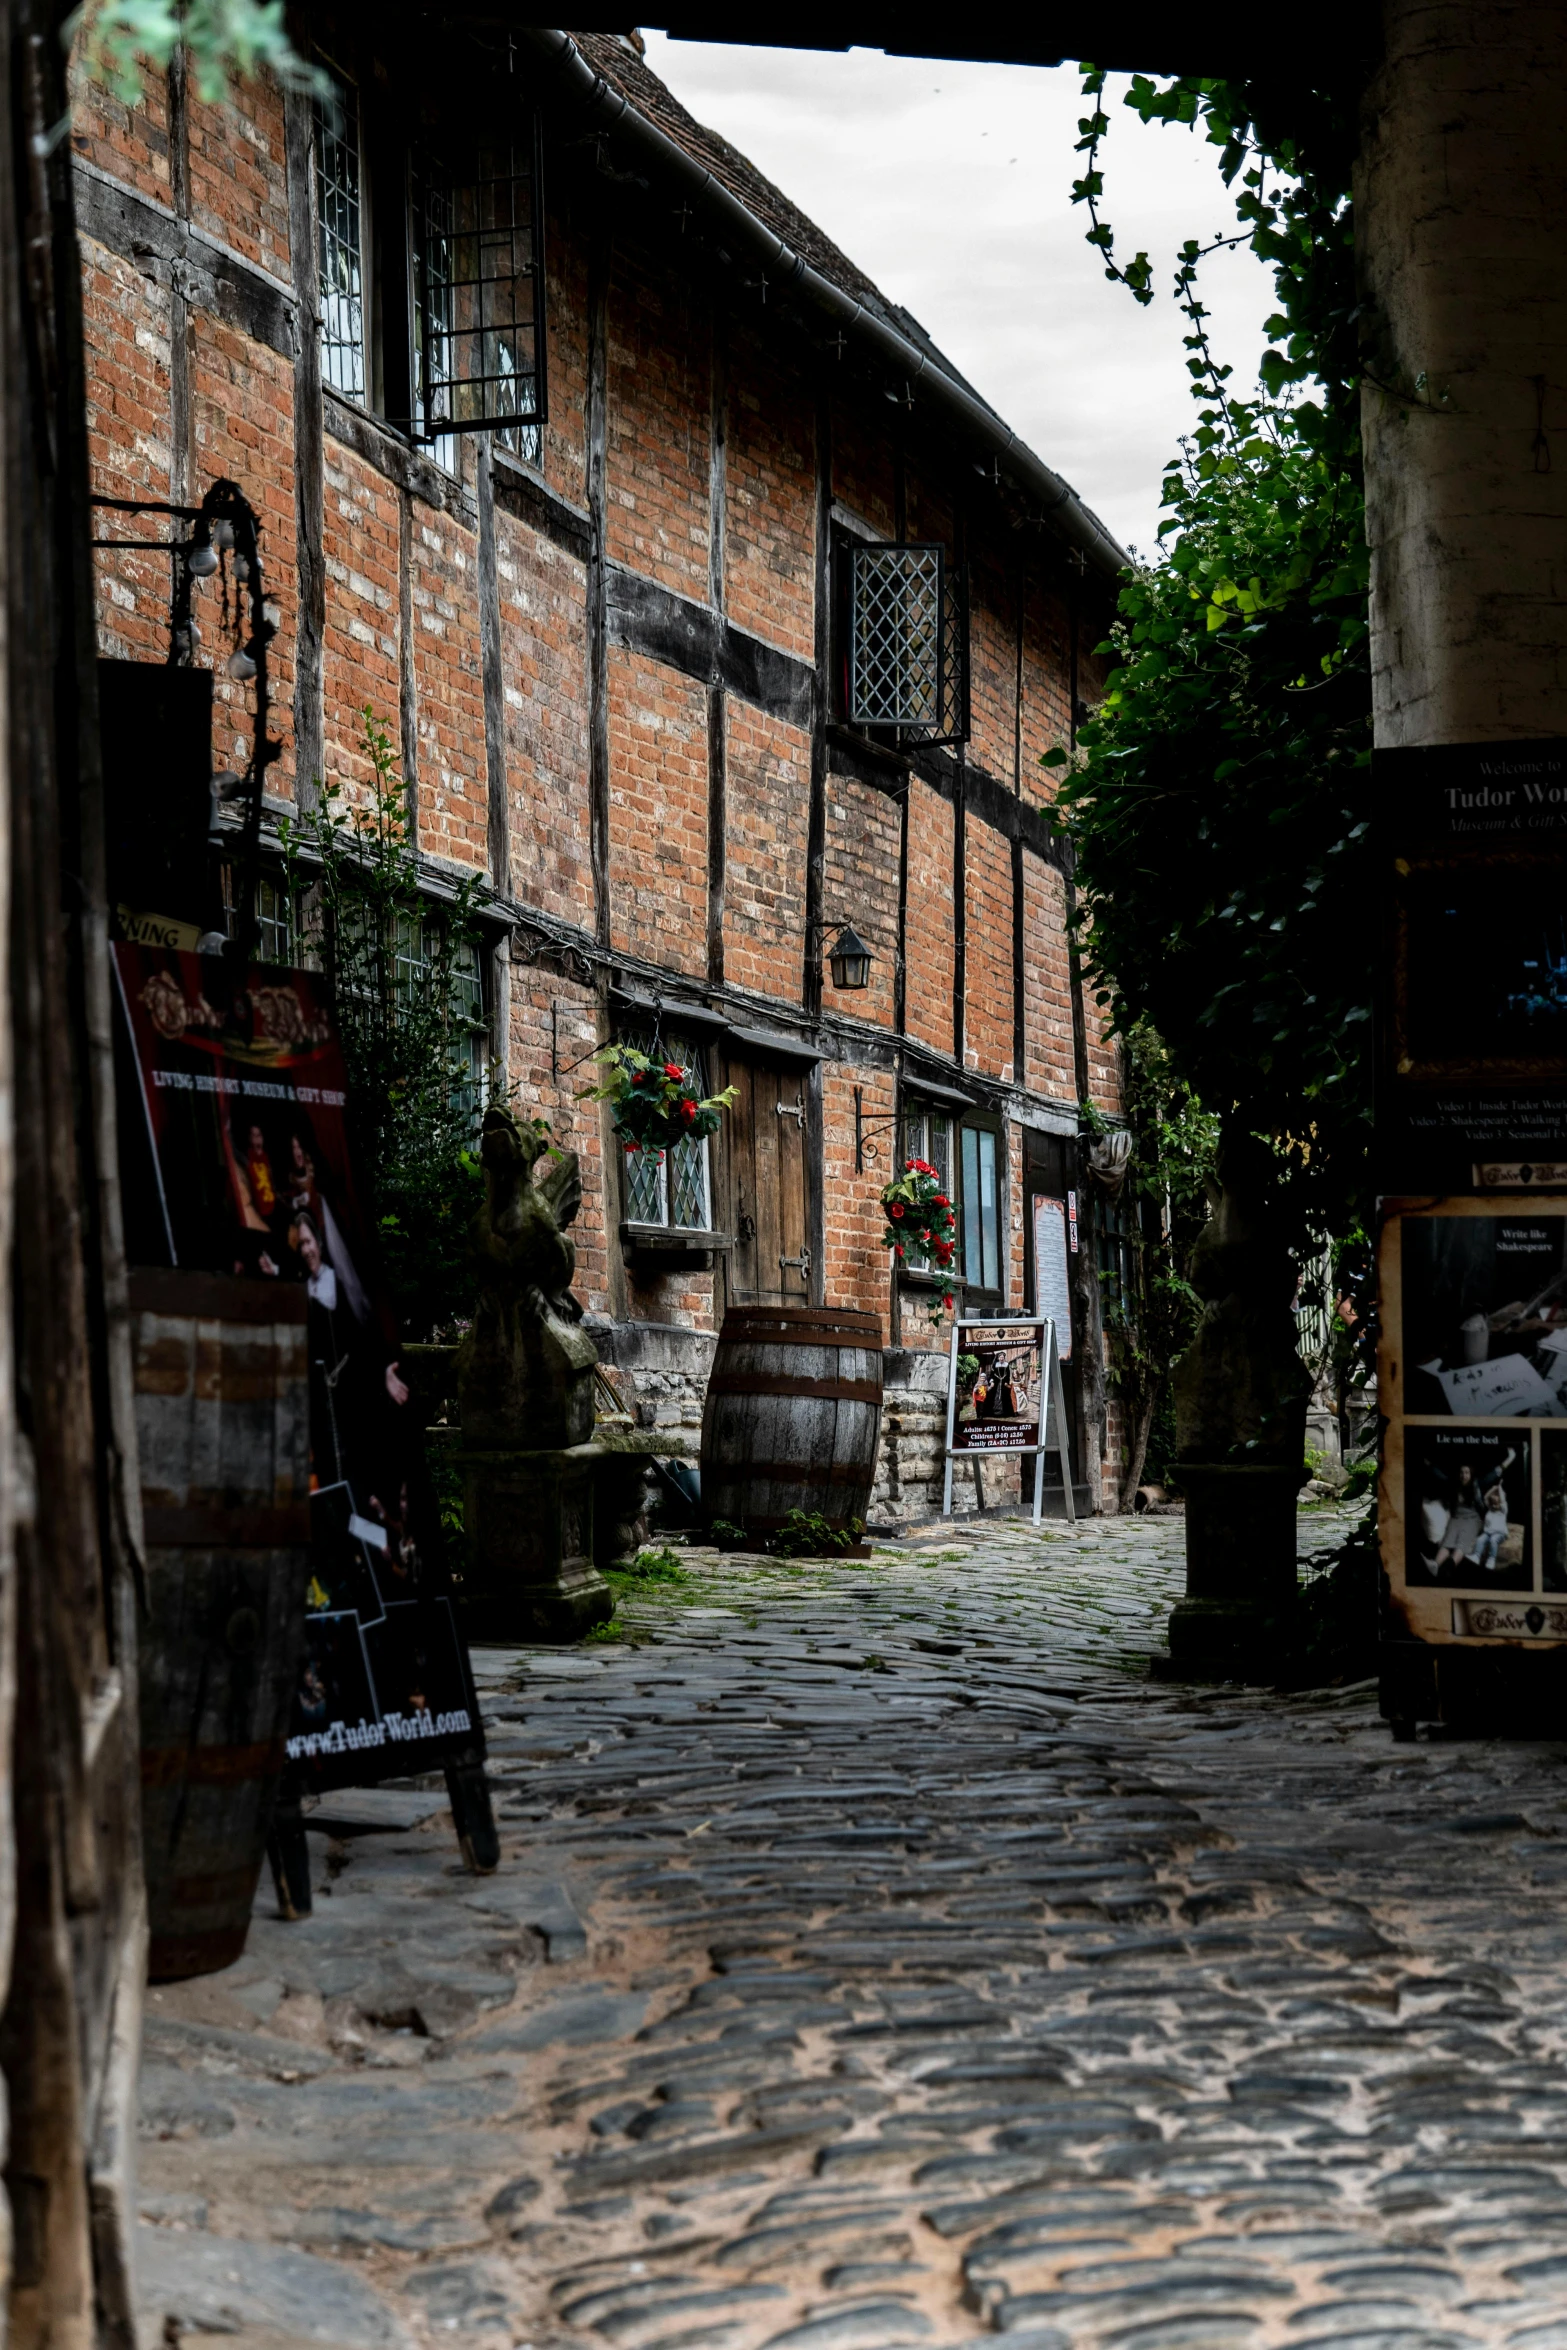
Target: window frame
{"points": [[850, 544], [660, 1232], [350, 136], [919, 1118]]}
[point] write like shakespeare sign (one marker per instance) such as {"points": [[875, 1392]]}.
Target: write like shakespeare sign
{"points": [[999, 1387], [236, 1158]]}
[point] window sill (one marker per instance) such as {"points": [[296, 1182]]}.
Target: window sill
{"points": [[672, 1248]]}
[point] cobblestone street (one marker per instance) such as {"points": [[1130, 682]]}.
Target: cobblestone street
{"points": [[879, 1958]]}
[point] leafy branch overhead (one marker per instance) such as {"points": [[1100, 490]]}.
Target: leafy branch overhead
{"points": [[120, 39], [1219, 803]]}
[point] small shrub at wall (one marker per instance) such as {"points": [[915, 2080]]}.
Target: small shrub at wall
{"points": [[654, 1103], [921, 1227], [805, 1534]]}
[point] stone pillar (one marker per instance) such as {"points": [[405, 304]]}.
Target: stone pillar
{"points": [[1461, 223]]}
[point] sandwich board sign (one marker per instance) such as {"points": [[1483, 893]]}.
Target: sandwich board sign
{"points": [[1005, 1395]]}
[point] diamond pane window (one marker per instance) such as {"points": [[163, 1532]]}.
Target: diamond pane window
{"points": [[479, 311], [895, 631], [905, 661], [672, 1190], [339, 245], [274, 920]]}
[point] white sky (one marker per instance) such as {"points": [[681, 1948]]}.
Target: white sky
{"points": [[950, 185]]}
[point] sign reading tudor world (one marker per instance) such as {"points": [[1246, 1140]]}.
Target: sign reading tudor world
{"points": [[1471, 1132]]}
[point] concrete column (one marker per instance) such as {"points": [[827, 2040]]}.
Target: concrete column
{"points": [[1461, 219]]}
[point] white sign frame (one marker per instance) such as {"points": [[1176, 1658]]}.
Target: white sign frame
{"points": [[1052, 1410]]}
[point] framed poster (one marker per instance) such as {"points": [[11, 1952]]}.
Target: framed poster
{"points": [[236, 1158], [1472, 1376], [1055, 1229], [1471, 1061], [1005, 1395]]}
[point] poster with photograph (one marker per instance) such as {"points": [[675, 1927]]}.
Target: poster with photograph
{"points": [[999, 1387], [1485, 1316], [235, 1158], [1469, 1509], [1052, 1277]]}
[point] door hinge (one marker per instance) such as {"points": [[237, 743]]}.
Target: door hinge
{"points": [[792, 1110], [802, 1264]]}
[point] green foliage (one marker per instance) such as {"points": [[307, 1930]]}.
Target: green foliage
{"points": [[654, 1103], [921, 1226], [220, 39], [729, 1536], [805, 1534], [1150, 1307], [1219, 812], [396, 970], [654, 1566]]}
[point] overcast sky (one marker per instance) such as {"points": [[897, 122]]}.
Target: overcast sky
{"points": [[950, 185]]}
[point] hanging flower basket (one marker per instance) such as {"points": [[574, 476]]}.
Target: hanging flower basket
{"points": [[921, 1226], [653, 1102]]}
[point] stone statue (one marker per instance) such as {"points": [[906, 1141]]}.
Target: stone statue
{"points": [[525, 1398]]}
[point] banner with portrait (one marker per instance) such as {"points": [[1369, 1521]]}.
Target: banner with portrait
{"points": [[236, 1158]]}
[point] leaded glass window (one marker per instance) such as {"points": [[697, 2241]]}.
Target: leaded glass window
{"points": [[420, 950], [340, 243], [478, 298], [274, 917], [980, 1208], [675, 1189], [905, 656]]}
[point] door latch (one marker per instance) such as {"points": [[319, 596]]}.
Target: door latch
{"points": [[801, 1263], [792, 1110]]}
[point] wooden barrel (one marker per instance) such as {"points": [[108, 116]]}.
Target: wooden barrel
{"points": [[223, 1428], [792, 1416]]}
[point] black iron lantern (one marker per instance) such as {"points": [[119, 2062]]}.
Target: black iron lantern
{"points": [[850, 959]]}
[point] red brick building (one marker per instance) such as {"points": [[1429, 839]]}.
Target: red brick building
{"points": [[713, 613]]}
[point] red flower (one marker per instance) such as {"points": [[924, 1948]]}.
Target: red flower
{"points": [[947, 1302], [940, 1200], [674, 1070], [688, 1110], [639, 1077], [894, 1211], [900, 1248]]}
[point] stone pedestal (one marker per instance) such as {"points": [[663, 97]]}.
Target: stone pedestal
{"points": [[530, 1563], [1240, 1572]]}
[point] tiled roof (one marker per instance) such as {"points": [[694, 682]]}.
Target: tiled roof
{"points": [[611, 56]]}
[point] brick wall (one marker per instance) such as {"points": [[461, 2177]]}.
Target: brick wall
{"points": [[929, 950], [125, 323], [544, 680], [856, 1267], [658, 458], [657, 812], [1047, 993], [860, 886], [767, 816], [239, 176], [770, 506], [361, 655], [448, 687], [987, 951]]}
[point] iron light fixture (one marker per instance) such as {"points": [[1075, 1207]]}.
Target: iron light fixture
{"points": [[850, 959]]}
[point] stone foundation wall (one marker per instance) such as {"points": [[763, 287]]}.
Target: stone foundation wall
{"points": [[660, 1369]]}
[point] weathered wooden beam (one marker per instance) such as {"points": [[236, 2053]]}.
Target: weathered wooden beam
{"points": [[309, 459], [597, 585], [208, 274], [498, 815]]}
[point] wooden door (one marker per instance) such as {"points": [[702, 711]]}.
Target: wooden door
{"points": [[768, 1187], [1050, 1171]]}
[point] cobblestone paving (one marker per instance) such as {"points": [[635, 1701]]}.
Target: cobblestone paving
{"points": [[879, 1958]]}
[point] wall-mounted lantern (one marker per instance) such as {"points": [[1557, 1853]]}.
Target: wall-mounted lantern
{"points": [[849, 959]]}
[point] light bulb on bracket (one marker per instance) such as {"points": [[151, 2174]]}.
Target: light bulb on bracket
{"points": [[240, 666], [201, 562], [223, 536]]}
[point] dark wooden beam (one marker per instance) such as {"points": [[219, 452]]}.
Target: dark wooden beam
{"points": [[597, 601], [498, 828], [168, 250], [309, 458]]}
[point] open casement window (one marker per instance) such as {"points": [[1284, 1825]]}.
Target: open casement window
{"points": [[478, 271], [340, 241], [905, 650], [671, 1194]]}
